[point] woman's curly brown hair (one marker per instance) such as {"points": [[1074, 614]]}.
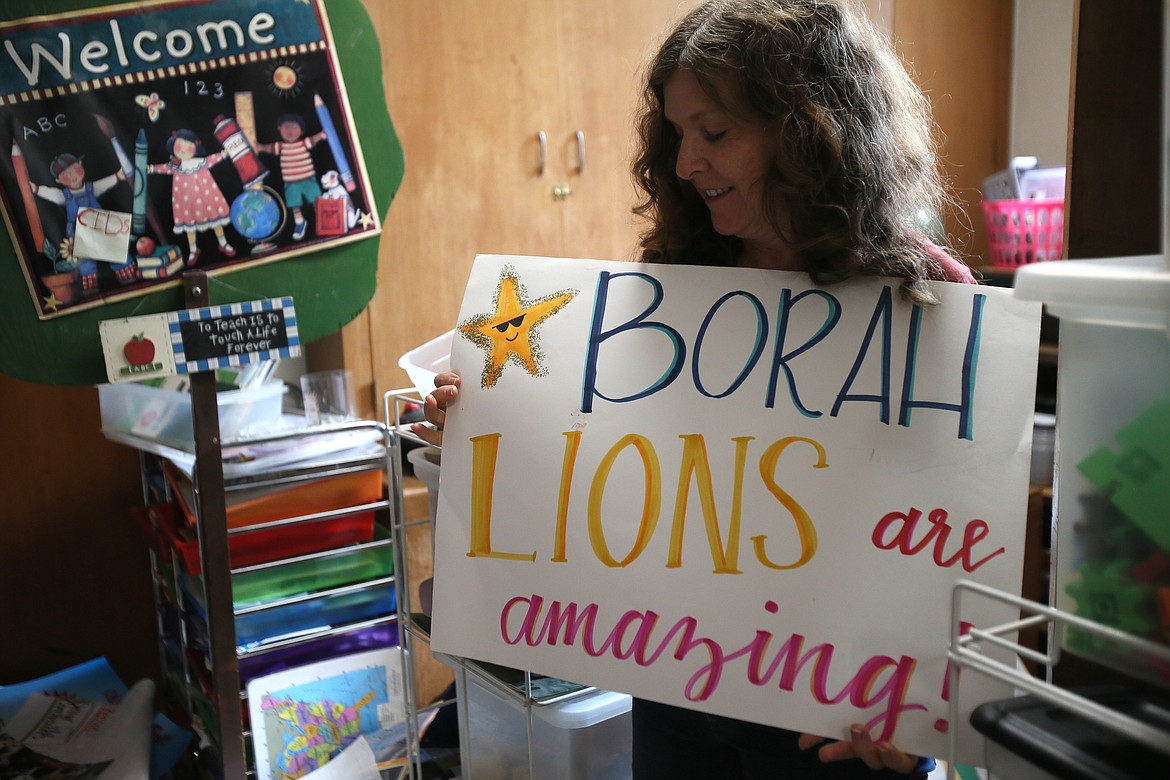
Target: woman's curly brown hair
{"points": [[854, 161]]}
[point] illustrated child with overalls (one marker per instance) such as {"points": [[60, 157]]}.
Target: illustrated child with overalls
{"points": [[75, 193]]}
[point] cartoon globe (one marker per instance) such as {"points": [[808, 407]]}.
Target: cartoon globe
{"points": [[257, 214]]}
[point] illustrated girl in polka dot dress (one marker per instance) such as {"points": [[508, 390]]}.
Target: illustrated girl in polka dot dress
{"points": [[196, 200]]}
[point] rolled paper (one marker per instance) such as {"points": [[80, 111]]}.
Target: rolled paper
{"points": [[326, 121], [28, 198], [239, 151]]}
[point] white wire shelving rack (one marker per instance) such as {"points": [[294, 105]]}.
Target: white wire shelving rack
{"points": [[966, 651]]}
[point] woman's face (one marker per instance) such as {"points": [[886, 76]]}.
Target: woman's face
{"points": [[725, 158]]}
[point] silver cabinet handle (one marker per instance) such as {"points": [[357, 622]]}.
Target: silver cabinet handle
{"points": [[543, 140], [580, 151]]}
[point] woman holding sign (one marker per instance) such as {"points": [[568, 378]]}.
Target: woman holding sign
{"points": [[785, 135]]}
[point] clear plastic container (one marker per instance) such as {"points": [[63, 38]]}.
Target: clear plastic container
{"points": [[586, 737], [1112, 472], [165, 415]]}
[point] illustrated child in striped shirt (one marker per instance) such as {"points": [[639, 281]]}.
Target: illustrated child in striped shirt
{"points": [[294, 150]]}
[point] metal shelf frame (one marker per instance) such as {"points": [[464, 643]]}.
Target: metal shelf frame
{"points": [[225, 671], [411, 630], [966, 652]]}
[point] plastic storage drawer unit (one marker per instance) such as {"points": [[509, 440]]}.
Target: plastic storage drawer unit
{"points": [[585, 737]]}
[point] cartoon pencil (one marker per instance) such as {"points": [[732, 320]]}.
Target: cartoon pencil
{"points": [[326, 121], [28, 198], [246, 116]]}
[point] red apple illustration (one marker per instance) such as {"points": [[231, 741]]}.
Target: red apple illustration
{"points": [[144, 246], [139, 351]]}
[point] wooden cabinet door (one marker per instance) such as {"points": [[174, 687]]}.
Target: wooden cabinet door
{"points": [[960, 54], [469, 87], [604, 48]]}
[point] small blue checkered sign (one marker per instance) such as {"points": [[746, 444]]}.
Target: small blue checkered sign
{"points": [[233, 334]]}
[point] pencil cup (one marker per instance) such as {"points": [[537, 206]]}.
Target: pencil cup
{"points": [[328, 397]]}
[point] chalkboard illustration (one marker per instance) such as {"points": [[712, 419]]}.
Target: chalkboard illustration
{"points": [[182, 342], [180, 84]]}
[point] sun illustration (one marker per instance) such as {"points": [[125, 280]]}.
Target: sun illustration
{"points": [[286, 77], [508, 333]]}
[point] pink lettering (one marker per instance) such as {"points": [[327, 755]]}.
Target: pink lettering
{"points": [[880, 682], [903, 526]]}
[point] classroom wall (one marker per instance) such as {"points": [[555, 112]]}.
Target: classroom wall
{"points": [[1041, 79]]}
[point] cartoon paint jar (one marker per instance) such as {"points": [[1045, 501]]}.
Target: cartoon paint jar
{"points": [[236, 145]]}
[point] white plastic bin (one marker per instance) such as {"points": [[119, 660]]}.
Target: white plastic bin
{"points": [[1112, 474], [423, 362], [586, 737]]}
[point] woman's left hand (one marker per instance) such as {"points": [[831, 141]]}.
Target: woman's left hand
{"points": [[876, 755]]}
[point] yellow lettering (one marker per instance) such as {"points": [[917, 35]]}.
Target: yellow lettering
{"points": [[568, 463], [695, 464], [650, 506], [484, 452], [804, 525]]}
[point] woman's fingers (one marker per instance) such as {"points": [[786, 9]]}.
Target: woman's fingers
{"points": [[875, 755]]}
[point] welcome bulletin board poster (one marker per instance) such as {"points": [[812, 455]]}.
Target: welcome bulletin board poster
{"points": [[732, 490], [143, 139]]}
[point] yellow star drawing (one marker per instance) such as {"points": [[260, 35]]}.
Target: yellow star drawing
{"points": [[366, 220], [508, 332], [51, 302]]}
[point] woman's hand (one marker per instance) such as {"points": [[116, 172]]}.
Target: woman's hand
{"points": [[876, 755], [435, 408]]}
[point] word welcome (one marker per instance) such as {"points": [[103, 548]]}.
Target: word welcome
{"points": [[214, 38], [878, 339], [639, 636]]}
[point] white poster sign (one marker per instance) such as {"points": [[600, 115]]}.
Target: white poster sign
{"points": [[732, 490]]}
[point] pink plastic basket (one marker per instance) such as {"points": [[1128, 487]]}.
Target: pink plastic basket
{"points": [[1024, 231]]}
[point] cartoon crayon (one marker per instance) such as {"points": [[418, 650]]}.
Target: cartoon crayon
{"points": [[27, 197], [138, 223], [334, 142]]}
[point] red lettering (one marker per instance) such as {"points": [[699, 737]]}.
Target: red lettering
{"points": [[902, 526]]}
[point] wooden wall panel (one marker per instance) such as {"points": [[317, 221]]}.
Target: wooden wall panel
{"points": [[74, 572], [1114, 205], [960, 54]]}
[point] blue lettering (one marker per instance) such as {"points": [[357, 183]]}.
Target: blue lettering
{"points": [[780, 360], [757, 349], [596, 336], [970, 362]]}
